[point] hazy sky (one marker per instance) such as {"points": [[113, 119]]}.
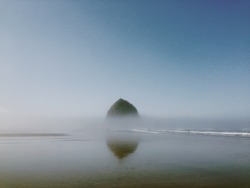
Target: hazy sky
{"points": [[169, 58]]}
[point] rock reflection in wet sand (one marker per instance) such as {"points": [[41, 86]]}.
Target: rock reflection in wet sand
{"points": [[122, 149], [121, 144]]}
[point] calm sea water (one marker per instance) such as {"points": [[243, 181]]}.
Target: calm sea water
{"points": [[135, 157]]}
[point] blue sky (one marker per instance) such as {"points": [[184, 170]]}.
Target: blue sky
{"points": [[168, 58]]}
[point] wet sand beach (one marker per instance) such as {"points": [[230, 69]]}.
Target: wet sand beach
{"points": [[123, 159]]}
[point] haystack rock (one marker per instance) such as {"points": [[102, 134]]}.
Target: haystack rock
{"points": [[122, 108]]}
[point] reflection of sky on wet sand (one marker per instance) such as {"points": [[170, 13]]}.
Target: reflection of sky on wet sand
{"points": [[89, 159]]}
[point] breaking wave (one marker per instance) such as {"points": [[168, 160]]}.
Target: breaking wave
{"points": [[195, 132]]}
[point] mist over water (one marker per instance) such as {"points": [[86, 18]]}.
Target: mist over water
{"points": [[68, 125]]}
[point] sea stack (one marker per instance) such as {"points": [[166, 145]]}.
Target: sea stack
{"points": [[122, 108]]}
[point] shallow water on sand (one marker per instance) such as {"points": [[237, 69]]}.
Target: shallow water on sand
{"points": [[99, 158]]}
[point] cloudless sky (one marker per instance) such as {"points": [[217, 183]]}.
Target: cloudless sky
{"points": [[187, 58]]}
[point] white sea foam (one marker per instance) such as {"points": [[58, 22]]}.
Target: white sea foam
{"points": [[146, 131], [201, 132]]}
